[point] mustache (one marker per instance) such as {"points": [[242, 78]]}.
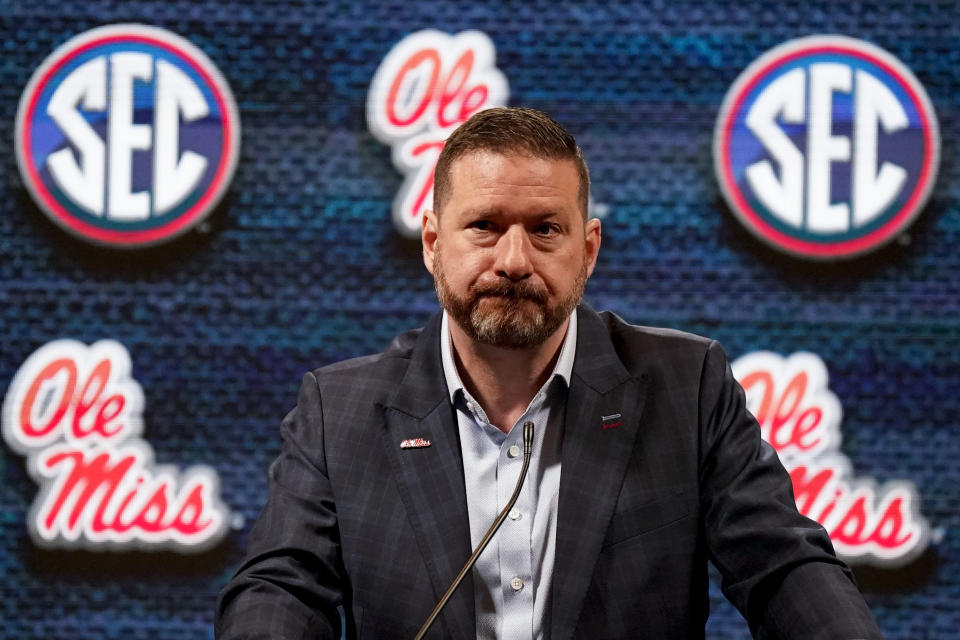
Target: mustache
{"points": [[519, 289]]}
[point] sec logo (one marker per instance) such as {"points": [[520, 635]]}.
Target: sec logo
{"points": [[127, 135], [826, 147]]}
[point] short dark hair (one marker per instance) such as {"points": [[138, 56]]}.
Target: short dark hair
{"points": [[510, 130]]}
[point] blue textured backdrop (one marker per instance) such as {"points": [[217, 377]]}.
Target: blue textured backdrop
{"points": [[301, 265]]}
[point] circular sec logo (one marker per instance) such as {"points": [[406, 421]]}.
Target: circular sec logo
{"points": [[826, 147], [127, 135]]}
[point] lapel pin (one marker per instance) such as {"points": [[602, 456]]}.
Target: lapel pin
{"points": [[611, 421], [414, 443]]}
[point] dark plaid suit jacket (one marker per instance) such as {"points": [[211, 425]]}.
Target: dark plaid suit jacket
{"points": [[355, 521]]}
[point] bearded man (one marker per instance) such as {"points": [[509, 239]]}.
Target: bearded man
{"points": [[645, 461]]}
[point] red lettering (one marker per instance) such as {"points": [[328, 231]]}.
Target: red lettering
{"points": [[151, 516], [190, 520], [850, 528], [65, 390], [456, 101], [796, 416], [110, 409], [86, 478], [101, 493], [91, 485], [786, 427], [849, 531], [426, 92], [806, 425], [453, 88], [426, 185], [887, 533], [472, 101], [806, 489], [107, 411], [99, 525], [786, 409], [827, 510], [426, 85]]}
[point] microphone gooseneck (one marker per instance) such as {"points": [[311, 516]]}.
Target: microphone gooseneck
{"points": [[527, 451]]}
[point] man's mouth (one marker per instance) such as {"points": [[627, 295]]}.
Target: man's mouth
{"points": [[513, 292]]}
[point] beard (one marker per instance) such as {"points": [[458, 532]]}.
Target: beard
{"points": [[515, 314]]}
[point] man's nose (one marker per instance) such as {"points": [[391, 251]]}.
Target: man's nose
{"points": [[513, 254]]}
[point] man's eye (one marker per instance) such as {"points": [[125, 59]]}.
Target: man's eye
{"points": [[481, 225], [546, 229]]}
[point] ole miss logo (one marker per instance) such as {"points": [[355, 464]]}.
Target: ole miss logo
{"points": [[426, 86], [800, 418], [826, 147], [76, 413], [127, 135]]}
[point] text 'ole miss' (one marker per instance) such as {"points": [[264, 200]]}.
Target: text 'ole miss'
{"points": [[76, 414]]}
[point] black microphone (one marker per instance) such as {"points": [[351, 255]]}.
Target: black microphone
{"points": [[527, 450]]}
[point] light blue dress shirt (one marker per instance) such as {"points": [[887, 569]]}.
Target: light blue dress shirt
{"points": [[513, 576]]}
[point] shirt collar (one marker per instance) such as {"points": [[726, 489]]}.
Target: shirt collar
{"points": [[563, 368]]}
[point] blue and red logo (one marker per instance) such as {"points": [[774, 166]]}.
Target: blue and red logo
{"points": [[127, 135], [826, 147]]}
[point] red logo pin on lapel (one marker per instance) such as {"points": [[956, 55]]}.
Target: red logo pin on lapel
{"points": [[611, 422], [414, 443]]}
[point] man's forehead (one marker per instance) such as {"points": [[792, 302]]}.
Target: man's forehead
{"points": [[487, 157], [489, 169]]}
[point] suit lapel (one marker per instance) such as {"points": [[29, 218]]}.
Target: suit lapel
{"points": [[602, 420], [430, 479]]}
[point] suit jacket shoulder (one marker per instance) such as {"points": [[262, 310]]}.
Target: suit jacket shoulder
{"points": [[640, 346], [370, 369]]}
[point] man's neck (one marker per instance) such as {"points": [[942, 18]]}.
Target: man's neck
{"points": [[504, 380]]}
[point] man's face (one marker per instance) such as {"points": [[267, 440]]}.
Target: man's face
{"points": [[510, 253]]}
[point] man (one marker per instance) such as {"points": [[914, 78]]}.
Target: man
{"points": [[645, 462]]}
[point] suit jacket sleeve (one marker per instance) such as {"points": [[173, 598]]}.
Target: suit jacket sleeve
{"points": [[778, 567], [289, 587]]}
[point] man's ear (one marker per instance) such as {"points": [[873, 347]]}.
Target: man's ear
{"points": [[428, 237], [591, 241]]}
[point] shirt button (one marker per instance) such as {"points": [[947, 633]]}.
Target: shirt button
{"points": [[513, 451], [514, 514], [516, 584]]}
